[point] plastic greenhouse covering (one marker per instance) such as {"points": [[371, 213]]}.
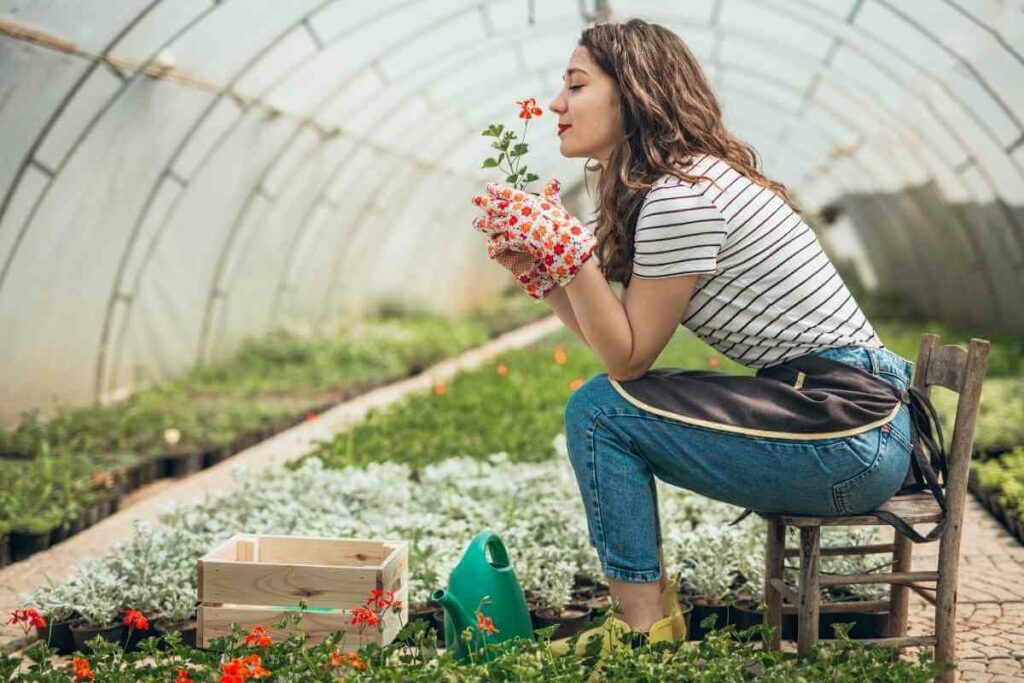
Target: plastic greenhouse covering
{"points": [[178, 175]]}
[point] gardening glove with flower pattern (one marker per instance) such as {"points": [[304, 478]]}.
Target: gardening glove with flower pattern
{"points": [[537, 225], [530, 273]]}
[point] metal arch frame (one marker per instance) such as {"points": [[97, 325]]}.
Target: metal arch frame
{"points": [[205, 335], [203, 350], [102, 352], [1011, 219], [816, 63], [14, 184]]}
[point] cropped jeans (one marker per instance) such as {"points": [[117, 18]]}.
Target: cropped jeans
{"points": [[617, 449]]}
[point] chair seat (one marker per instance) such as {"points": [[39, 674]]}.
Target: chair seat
{"points": [[915, 508]]}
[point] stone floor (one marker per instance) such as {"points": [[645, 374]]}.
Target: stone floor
{"points": [[990, 608]]}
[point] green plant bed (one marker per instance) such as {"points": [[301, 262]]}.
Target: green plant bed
{"points": [[725, 654], [999, 485]]}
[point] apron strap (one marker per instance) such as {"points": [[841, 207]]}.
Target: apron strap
{"points": [[927, 458]]}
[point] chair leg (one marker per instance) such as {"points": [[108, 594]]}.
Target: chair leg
{"points": [[775, 555], [945, 599], [899, 594], [810, 555]]}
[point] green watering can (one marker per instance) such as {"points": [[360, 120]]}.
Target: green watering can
{"points": [[473, 578]]}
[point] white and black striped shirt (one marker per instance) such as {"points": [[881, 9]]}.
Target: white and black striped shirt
{"points": [[766, 291]]}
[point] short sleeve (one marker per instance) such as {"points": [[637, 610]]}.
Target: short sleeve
{"points": [[678, 232]]}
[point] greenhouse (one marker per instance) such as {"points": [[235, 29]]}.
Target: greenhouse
{"points": [[574, 340]]}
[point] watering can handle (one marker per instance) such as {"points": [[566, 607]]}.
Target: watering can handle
{"points": [[489, 539]]}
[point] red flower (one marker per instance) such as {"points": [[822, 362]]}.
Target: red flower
{"points": [[529, 108], [240, 670], [29, 617], [136, 620], [484, 623], [311, 417], [364, 615], [82, 670], [258, 637], [182, 676]]}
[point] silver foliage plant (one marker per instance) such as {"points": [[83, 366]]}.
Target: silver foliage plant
{"points": [[534, 507]]}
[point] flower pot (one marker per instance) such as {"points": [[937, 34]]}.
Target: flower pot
{"points": [[177, 465], [25, 543], [59, 533], [582, 594], [59, 634], [745, 614], [135, 637], [865, 624], [187, 629], [213, 456], [82, 633], [572, 619], [600, 602], [702, 611], [427, 614]]}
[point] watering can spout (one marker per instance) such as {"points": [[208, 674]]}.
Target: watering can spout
{"points": [[453, 608]]}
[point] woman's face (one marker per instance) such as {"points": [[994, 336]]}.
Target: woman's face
{"points": [[589, 104]]}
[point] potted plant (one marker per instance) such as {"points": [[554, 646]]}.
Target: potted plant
{"points": [[97, 616]]}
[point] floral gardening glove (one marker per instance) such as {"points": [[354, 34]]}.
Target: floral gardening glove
{"points": [[536, 225], [530, 273]]}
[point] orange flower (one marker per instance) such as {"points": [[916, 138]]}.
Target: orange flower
{"points": [[440, 388], [713, 362], [560, 356], [82, 670], [239, 670], [182, 676], [311, 417], [136, 620], [529, 108], [484, 623], [350, 658], [258, 637], [575, 384], [502, 370]]}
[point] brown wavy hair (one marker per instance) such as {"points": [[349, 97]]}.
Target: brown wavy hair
{"points": [[669, 115]]}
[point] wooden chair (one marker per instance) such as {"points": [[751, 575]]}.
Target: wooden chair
{"points": [[963, 371]]}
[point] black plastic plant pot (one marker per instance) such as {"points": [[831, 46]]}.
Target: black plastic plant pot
{"points": [[701, 612], [570, 620], [26, 543], [187, 629], [135, 637], [82, 633], [865, 624], [212, 456], [745, 614], [60, 636], [177, 465], [59, 533], [426, 614]]}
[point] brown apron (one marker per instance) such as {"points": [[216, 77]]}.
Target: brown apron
{"points": [[806, 398]]}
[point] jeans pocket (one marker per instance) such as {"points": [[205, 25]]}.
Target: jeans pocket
{"points": [[880, 479]]}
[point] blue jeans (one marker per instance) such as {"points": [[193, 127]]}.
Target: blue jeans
{"points": [[617, 449]]}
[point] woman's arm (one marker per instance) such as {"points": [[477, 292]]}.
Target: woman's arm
{"points": [[558, 300]]}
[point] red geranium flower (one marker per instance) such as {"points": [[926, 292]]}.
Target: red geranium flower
{"points": [[182, 676], [135, 619], [484, 623], [364, 615], [82, 670], [529, 108], [258, 637], [29, 617]]}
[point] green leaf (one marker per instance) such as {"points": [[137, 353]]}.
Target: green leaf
{"points": [[511, 178], [494, 130], [519, 149], [530, 177], [490, 162]]}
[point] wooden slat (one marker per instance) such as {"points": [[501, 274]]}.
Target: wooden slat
{"points": [[915, 508], [807, 616], [216, 621], [848, 550], [947, 366], [852, 606], [245, 550], [348, 552], [905, 641], [923, 593], [787, 592], [892, 577], [259, 583]]}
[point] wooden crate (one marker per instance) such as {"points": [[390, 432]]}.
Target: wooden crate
{"points": [[256, 580]]}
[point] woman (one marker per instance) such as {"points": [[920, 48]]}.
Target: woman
{"points": [[697, 236]]}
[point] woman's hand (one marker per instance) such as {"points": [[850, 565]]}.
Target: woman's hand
{"points": [[537, 226]]}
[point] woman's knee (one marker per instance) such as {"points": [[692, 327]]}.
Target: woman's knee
{"points": [[584, 403]]}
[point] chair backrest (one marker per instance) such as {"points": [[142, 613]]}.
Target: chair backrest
{"points": [[962, 371]]}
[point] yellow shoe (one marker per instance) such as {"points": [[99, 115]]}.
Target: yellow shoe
{"points": [[610, 631], [673, 626]]}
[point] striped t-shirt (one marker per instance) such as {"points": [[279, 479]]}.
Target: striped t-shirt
{"points": [[767, 292]]}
